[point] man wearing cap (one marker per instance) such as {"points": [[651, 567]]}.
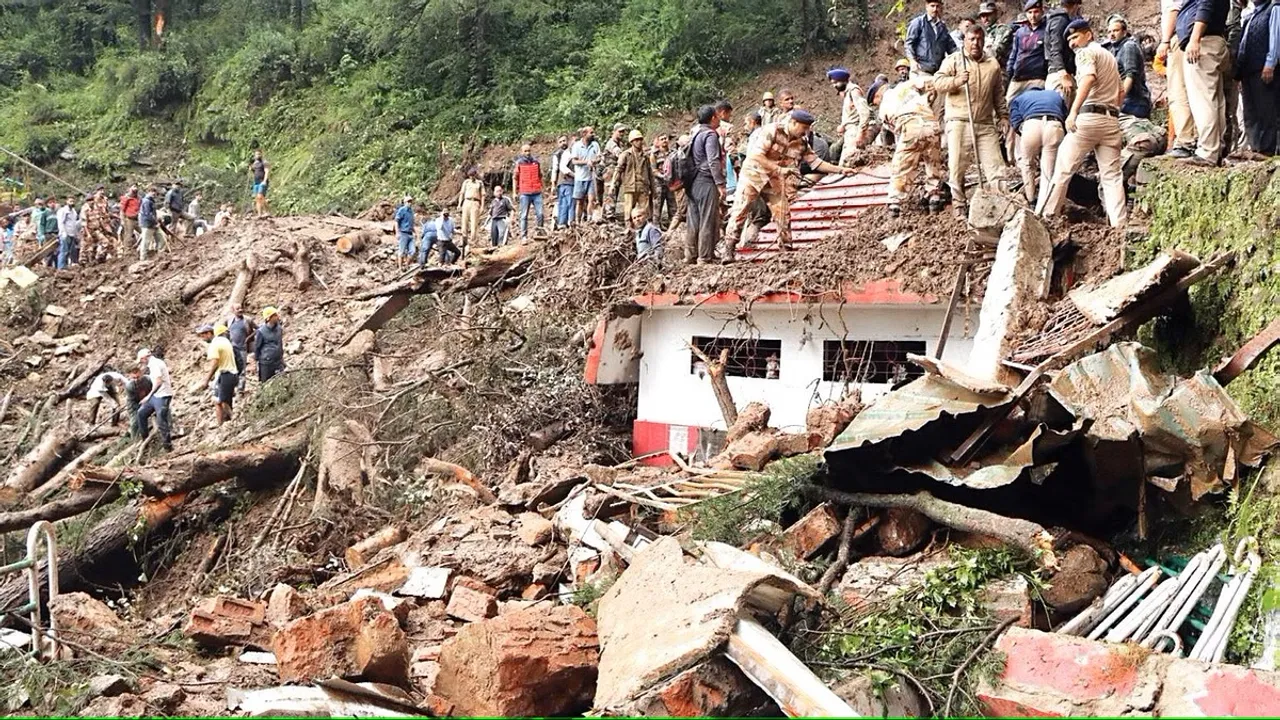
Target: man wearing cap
{"points": [[1256, 68], [526, 181], [662, 196], [1038, 116], [1132, 64], [130, 204], [855, 114], [907, 111], [1202, 29], [928, 42], [1058, 56], [975, 112], [404, 232], [157, 401], [606, 170], [470, 202], [769, 110], [1027, 66], [268, 345], [773, 155], [999, 35], [1093, 125], [222, 378], [634, 176], [240, 333]]}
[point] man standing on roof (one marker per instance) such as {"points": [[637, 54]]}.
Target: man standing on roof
{"points": [[772, 157], [634, 176], [268, 345], [907, 110], [222, 378], [1038, 117], [855, 114], [769, 110], [975, 112], [404, 220], [260, 174], [1060, 61], [526, 181], [157, 401], [470, 203], [708, 190], [662, 197], [928, 42], [1132, 63], [1027, 66], [1093, 126]]}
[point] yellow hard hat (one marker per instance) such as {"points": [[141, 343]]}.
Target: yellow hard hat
{"points": [[767, 96], [902, 63], [635, 135], [268, 311], [219, 329]]}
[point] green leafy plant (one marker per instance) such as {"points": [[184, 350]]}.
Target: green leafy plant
{"points": [[764, 497]]}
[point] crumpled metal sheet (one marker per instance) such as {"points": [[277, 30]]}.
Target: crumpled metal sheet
{"points": [[1188, 426], [1103, 303], [1003, 465], [915, 405]]}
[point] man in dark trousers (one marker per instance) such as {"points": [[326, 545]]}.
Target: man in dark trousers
{"points": [[1256, 70], [708, 191], [268, 345]]}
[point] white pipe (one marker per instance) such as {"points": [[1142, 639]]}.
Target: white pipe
{"points": [[1155, 603], [1086, 619], [1202, 650], [1149, 620], [42, 528], [1188, 579], [1224, 633], [1217, 634], [1197, 591], [1123, 608]]}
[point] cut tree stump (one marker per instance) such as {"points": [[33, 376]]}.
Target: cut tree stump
{"points": [[346, 455], [39, 464], [354, 242]]}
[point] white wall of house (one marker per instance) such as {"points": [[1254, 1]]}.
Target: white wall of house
{"points": [[671, 393]]}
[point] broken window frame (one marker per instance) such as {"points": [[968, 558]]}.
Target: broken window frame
{"points": [[748, 357], [871, 362]]}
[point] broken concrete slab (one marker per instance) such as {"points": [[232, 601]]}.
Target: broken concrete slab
{"points": [[312, 702], [537, 662], [428, 583], [471, 605], [357, 639], [1019, 280], [812, 532]]}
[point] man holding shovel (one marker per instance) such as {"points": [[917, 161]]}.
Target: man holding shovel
{"points": [[977, 117]]}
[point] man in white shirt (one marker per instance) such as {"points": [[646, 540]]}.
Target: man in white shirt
{"points": [[69, 225], [107, 385], [158, 400]]}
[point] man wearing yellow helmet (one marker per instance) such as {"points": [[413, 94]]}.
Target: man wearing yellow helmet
{"points": [[268, 345], [222, 378]]}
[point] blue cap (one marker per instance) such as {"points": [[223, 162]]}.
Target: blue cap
{"points": [[1032, 3], [1077, 25], [837, 74], [802, 116]]}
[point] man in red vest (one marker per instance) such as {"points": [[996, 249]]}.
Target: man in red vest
{"points": [[527, 181]]}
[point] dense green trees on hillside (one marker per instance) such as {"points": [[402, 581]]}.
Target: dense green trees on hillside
{"points": [[356, 98]]}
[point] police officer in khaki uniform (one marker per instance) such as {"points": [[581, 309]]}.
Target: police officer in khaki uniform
{"points": [[855, 114], [907, 110], [1093, 125]]}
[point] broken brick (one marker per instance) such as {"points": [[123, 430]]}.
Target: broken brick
{"points": [[471, 605], [902, 531], [753, 451], [535, 591], [535, 530], [357, 639], [810, 533], [285, 604], [537, 662], [713, 688], [825, 422], [216, 631], [232, 607]]}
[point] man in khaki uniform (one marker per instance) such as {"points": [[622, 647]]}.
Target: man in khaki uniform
{"points": [[907, 110], [470, 201], [769, 110], [773, 155], [973, 85], [855, 114], [634, 176], [1093, 125], [1170, 54]]}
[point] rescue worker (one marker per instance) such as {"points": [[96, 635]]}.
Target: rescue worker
{"points": [[708, 191], [158, 400], [470, 202], [222, 378], [662, 197], [1092, 126], [606, 171], [855, 114], [769, 110], [108, 385], [1142, 139], [975, 113], [999, 35], [633, 177], [908, 111], [903, 70], [928, 42], [1060, 61], [1132, 64], [1027, 67], [1038, 118], [130, 204], [240, 333], [268, 345], [99, 235], [404, 220], [786, 103], [774, 156]]}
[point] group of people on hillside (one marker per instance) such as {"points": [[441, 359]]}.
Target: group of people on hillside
{"points": [[87, 229], [145, 389]]}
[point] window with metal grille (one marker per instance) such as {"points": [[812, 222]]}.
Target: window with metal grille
{"points": [[751, 358], [870, 361]]}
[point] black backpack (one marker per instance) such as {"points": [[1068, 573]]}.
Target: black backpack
{"points": [[683, 168]]}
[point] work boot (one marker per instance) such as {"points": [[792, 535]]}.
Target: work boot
{"points": [[1181, 152], [936, 204]]}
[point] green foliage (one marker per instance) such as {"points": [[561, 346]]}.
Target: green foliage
{"points": [[764, 497], [924, 632]]}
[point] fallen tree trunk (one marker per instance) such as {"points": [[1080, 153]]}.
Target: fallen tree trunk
{"points": [[85, 376], [244, 278], [354, 242], [460, 474], [720, 385], [193, 289], [68, 471], [39, 464], [345, 458], [82, 501], [1016, 532], [302, 265]]}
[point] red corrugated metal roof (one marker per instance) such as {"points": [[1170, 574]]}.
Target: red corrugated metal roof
{"points": [[826, 207]]}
